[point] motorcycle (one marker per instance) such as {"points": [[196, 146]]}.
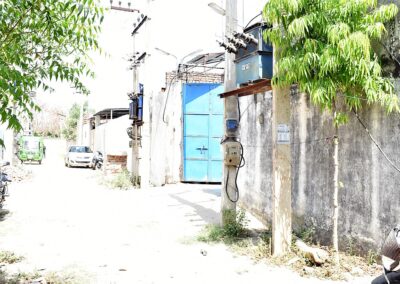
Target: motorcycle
{"points": [[97, 162], [4, 180]]}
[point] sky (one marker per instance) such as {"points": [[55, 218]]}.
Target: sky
{"points": [[178, 26]]}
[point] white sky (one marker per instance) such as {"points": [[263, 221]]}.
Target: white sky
{"points": [[178, 26]]}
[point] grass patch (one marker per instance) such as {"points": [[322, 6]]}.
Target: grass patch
{"points": [[257, 245], [67, 276], [233, 231], [121, 180], [20, 278]]}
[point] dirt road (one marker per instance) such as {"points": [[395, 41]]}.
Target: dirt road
{"points": [[62, 220]]}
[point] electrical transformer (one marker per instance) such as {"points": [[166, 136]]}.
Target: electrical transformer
{"points": [[253, 60]]}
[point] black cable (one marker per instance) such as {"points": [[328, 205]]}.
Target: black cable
{"points": [[376, 143], [241, 165], [236, 189], [259, 14], [242, 157], [390, 53], [238, 105]]}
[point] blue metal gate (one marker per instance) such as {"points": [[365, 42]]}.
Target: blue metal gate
{"points": [[203, 113]]}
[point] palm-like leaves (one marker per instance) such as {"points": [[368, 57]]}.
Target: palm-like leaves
{"points": [[325, 48]]}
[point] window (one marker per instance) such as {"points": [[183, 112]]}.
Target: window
{"points": [[80, 149]]}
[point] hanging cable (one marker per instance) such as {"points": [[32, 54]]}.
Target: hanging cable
{"points": [[255, 17], [166, 100], [242, 163], [238, 105], [376, 143], [390, 53], [227, 192]]}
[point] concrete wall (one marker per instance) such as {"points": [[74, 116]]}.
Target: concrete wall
{"points": [[166, 137], [254, 180], [369, 200]]}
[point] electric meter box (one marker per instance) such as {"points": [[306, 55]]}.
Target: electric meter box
{"points": [[231, 126], [232, 153], [255, 61]]}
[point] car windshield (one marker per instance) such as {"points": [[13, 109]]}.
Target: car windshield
{"points": [[31, 144], [80, 149]]}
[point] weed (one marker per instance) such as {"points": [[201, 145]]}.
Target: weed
{"points": [[21, 278], [350, 248], [211, 234], [9, 257], [235, 228], [121, 180], [306, 234], [372, 257], [64, 277], [236, 224]]}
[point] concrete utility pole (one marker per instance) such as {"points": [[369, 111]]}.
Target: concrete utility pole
{"points": [[135, 128], [230, 111], [149, 66], [281, 170]]}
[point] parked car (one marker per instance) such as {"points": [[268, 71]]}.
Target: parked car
{"points": [[79, 156]]}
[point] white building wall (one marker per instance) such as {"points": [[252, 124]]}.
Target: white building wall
{"points": [[110, 138]]}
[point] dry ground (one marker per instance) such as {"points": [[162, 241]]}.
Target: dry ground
{"points": [[63, 221]]}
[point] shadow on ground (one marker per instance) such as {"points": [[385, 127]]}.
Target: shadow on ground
{"points": [[206, 214], [216, 192]]}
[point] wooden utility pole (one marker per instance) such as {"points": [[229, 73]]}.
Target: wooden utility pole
{"points": [[228, 208], [281, 170]]}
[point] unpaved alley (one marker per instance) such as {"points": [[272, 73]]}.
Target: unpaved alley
{"points": [[63, 220]]}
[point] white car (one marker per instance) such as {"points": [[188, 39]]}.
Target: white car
{"points": [[79, 156]]}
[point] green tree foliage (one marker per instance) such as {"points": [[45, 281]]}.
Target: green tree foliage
{"points": [[71, 124], [325, 48], [40, 41]]}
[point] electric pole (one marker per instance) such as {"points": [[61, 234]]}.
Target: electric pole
{"points": [[229, 191], [135, 142], [148, 67], [281, 169]]}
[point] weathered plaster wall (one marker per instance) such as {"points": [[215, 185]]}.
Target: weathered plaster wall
{"points": [[254, 180], [166, 136], [369, 200]]}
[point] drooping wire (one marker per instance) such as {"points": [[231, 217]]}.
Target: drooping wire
{"points": [[242, 163], [238, 106], [166, 100], [255, 17], [390, 53], [227, 192], [376, 143]]}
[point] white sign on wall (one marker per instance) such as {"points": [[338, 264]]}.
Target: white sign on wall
{"points": [[283, 134]]}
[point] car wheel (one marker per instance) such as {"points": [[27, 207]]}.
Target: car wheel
{"points": [[40, 162]]}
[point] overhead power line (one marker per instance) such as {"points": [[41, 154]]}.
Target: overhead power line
{"points": [[376, 143]]}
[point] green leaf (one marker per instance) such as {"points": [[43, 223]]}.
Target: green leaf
{"points": [[324, 46]]}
